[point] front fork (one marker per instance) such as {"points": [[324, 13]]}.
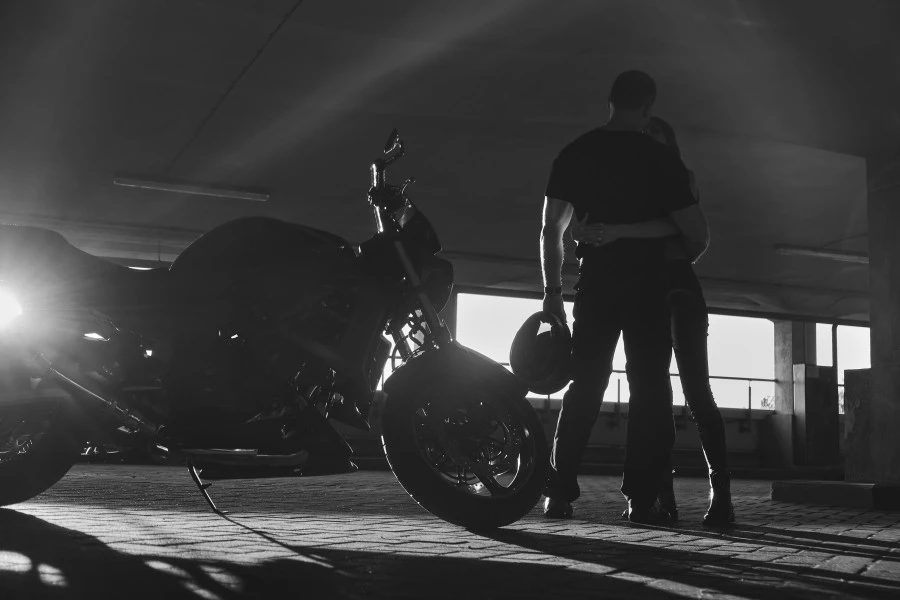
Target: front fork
{"points": [[434, 331]]}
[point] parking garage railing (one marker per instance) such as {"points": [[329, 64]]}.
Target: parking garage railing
{"points": [[750, 381]]}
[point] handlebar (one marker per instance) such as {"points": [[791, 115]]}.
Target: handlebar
{"points": [[393, 150], [382, 195], [378, 168]]}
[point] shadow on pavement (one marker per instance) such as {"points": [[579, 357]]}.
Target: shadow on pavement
{"points": [[39, 561], [704, 570], [797, 539]]}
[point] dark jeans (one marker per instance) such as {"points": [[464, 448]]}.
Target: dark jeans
{"points": [[634, 305], [690, 328]]}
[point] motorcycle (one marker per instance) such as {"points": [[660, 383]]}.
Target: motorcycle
{"points": [[241, 355]]}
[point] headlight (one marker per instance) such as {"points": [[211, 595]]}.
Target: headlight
{"points": [[9, 307]]}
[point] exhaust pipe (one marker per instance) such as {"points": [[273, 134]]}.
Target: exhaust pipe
{"points": [[126, 416]]}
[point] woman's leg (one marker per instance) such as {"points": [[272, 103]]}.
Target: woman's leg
{"points": [[690, 326]]}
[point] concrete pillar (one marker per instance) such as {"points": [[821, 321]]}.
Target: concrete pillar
{"points": [[881, 410], [857, 425], [816, 425], [795, 345], [872, 396], [776, 435], [804, 343]]}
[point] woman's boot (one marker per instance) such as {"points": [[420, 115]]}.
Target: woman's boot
{"points": [[667, 496], [721, 510]]}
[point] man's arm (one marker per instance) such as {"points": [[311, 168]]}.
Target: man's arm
{"points": [[692, 224], [654, 228], [557, 215], [698, 230], [677, 191], [601, 234]]}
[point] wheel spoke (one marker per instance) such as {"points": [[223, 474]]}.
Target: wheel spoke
{"points": [[476, 450], [496, 444], [487, 478], [461, 476]]}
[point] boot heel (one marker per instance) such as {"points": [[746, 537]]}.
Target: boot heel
{"points": [[667, 497], [721, 509]]}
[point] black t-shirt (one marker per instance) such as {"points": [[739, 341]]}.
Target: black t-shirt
{"points": [[620, 177]]}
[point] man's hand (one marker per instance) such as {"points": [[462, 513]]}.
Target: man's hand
{"points": [[595, 234], [607, 233], [553, 304], [582, 232]]}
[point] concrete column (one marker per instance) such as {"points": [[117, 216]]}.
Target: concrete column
{"points": [[784, 367], [804, 343], [795, 344], [857, 425], [872, 396], [881, 410], [815, 424]]}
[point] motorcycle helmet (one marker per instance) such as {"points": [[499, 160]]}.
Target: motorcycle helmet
{"points": [[541, 358]]}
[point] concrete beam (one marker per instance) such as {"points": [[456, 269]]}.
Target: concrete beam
{"points": [[142, 245]]}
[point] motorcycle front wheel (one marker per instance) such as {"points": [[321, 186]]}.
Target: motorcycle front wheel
{"points": [[472, 458], [38, 441]]}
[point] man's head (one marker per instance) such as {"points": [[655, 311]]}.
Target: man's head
{"points": [[632, 92]]}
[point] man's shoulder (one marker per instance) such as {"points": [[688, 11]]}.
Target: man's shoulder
{"points": [[583, 142], [600, 139]]}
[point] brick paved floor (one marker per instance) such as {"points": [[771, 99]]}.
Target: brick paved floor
{"points": [[134, 532]]}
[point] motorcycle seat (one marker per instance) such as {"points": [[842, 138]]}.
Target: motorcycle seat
{"points": [[38, 259], [35, 253]]}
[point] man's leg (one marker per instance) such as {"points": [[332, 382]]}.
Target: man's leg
{"points": [[651, 431], [595, 334]]}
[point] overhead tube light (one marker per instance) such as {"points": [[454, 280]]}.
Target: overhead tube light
{"points": [[839, 255], [184, 188]]}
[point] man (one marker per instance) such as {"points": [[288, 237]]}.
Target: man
{"points": [[615, 174]]}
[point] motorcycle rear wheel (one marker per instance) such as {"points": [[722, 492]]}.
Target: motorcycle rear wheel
{"points": [[471, 458], [38, 444]]}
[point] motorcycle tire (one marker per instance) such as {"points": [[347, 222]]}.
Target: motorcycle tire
{"points": [[426, 473], [29, 467]]}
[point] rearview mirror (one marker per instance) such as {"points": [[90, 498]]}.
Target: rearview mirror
{"points": [[393, 141]]}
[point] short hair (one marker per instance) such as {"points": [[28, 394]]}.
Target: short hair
{"points": [[632, 90], [667, 132]]}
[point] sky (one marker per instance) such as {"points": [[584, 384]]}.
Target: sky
{"points": [[738, 347]]}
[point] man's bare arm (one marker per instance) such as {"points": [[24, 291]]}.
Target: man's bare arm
{"points": [[692, 225], [600, 234], [605, 233], [654, 228], [557, 215]]}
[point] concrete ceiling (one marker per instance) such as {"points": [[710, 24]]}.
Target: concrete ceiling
{"points": [[777, 104]]}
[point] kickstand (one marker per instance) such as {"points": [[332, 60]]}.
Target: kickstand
{"points": [[196, 477]]}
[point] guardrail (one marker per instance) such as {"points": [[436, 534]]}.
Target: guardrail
{"points": [[749, 380], [683, 416]]}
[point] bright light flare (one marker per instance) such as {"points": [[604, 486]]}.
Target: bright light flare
{"points": [[10, 308]]}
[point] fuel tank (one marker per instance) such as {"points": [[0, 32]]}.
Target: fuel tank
{"points": [[298, 290]]}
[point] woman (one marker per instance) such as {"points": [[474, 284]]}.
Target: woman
{"points": [[690, 325]]}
